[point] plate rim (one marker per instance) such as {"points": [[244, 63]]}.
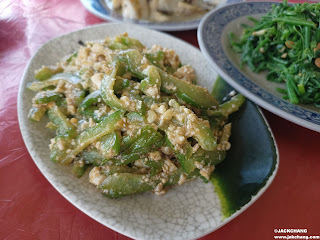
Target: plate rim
{"points": [[21, 119], [259, 101]]}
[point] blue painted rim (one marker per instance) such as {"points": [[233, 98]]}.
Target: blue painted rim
{"points": [[209, 37]]}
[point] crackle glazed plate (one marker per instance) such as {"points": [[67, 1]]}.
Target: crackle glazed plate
{"points": [[214, 44], [189, 211], [103, 10]]}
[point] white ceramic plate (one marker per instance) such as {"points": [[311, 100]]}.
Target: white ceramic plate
{"points": [[213, 40], [101, 10], [185, 212]]}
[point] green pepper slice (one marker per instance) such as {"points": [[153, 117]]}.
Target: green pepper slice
{"points": [[54, 81], [123, 184], [65, 128], [79, 168], [36, 113], [110, 144], [183, 156], [190, 93], [88, 136], [48, 96], [46, 72], [133, 58], [155, 166], [203, 134], [93, 156], [107, 91], [193, 94], [150, 86], [147, 140], [228, 107], [156, 58], [89, 100]]}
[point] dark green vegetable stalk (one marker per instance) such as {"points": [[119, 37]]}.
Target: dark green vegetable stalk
{"points": [[286, 43]]}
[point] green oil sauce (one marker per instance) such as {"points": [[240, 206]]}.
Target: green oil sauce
{"points": [[251, 159]]}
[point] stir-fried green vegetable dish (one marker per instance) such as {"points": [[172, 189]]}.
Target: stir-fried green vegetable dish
{"points": [[133, 115], [286, 43]]}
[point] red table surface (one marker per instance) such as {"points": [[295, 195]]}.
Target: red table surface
{"points": [[30, 208]]}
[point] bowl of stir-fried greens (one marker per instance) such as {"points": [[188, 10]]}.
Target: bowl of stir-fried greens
{"points": [[270, 52], [113, 118]]}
